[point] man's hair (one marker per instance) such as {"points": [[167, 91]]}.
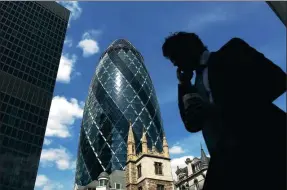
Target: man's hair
{"points": [[181, 42]]}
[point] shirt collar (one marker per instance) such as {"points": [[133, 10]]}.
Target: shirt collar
{"points": [[204, 57]]}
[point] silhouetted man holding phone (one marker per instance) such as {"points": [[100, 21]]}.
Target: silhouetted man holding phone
{"points": [[231, 102]]}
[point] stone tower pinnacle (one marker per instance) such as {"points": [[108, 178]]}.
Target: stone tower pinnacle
{"points": [[144, 142], [131, 143], [165, 147], [203, 157]]}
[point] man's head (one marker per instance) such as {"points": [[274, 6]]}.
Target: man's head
{"points": [[183, 49]]}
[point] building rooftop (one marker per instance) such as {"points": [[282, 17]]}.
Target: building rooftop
{"points": [[116, 177], [56, 8], [122, 43], [103, 175]]}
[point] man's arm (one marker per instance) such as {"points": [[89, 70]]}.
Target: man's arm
{"points": [[183, 89], [193, 110]]}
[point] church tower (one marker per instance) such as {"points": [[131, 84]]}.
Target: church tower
{"points": [[149, 169], [131, 143], [165, 147], [130, 166], [204, 159], [144, 143]]}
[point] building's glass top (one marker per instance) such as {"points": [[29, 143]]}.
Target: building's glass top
{"points": [[124, 44]]}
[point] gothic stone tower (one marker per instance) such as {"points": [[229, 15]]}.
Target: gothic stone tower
{"points": [[149, 169]]}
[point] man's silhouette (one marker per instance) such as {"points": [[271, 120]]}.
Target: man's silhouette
{"points": [[231, 102]]}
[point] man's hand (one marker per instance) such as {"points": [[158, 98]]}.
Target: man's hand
{"points": [[183, 77]]}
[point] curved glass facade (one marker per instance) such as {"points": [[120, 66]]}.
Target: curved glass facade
{"points": [[120, 91]]}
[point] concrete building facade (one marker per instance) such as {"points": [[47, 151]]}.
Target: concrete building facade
{"points": [[31, 40]]}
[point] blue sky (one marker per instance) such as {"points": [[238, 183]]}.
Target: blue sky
{"points": [[94, 25]]}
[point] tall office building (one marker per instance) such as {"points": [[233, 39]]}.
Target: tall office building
{"points": [[31, 41], [120, 92]]}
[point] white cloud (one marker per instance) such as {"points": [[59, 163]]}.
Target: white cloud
{"points": [[88, 43], [45, 183], [89, 47], [63, 114], [58, 157], [208, 17], [180, 162], [176, 150], [68, 42], [41, 180], [92, 34], [67, 63], [53, 186], [214, 14], [191, 144], [192, 148], [47, 141], [75, 9]]}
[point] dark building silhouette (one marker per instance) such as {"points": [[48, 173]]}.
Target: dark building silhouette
{"points": [[280, 9], [31, 40], [120, 92]]}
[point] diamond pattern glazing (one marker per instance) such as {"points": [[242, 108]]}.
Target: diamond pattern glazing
{"points": [[120, 91]]}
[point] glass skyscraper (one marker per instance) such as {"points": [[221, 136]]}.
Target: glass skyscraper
{"points": [[31, 41], [120, 92]]}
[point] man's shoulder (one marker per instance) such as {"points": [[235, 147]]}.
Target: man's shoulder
{"points": [[234, 47], [232, 51], [235, 43]]}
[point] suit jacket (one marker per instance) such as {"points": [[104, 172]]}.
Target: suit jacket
{"points": [[243, 122]]}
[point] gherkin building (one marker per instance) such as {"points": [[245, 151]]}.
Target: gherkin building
{"points": [[121, 93]]}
